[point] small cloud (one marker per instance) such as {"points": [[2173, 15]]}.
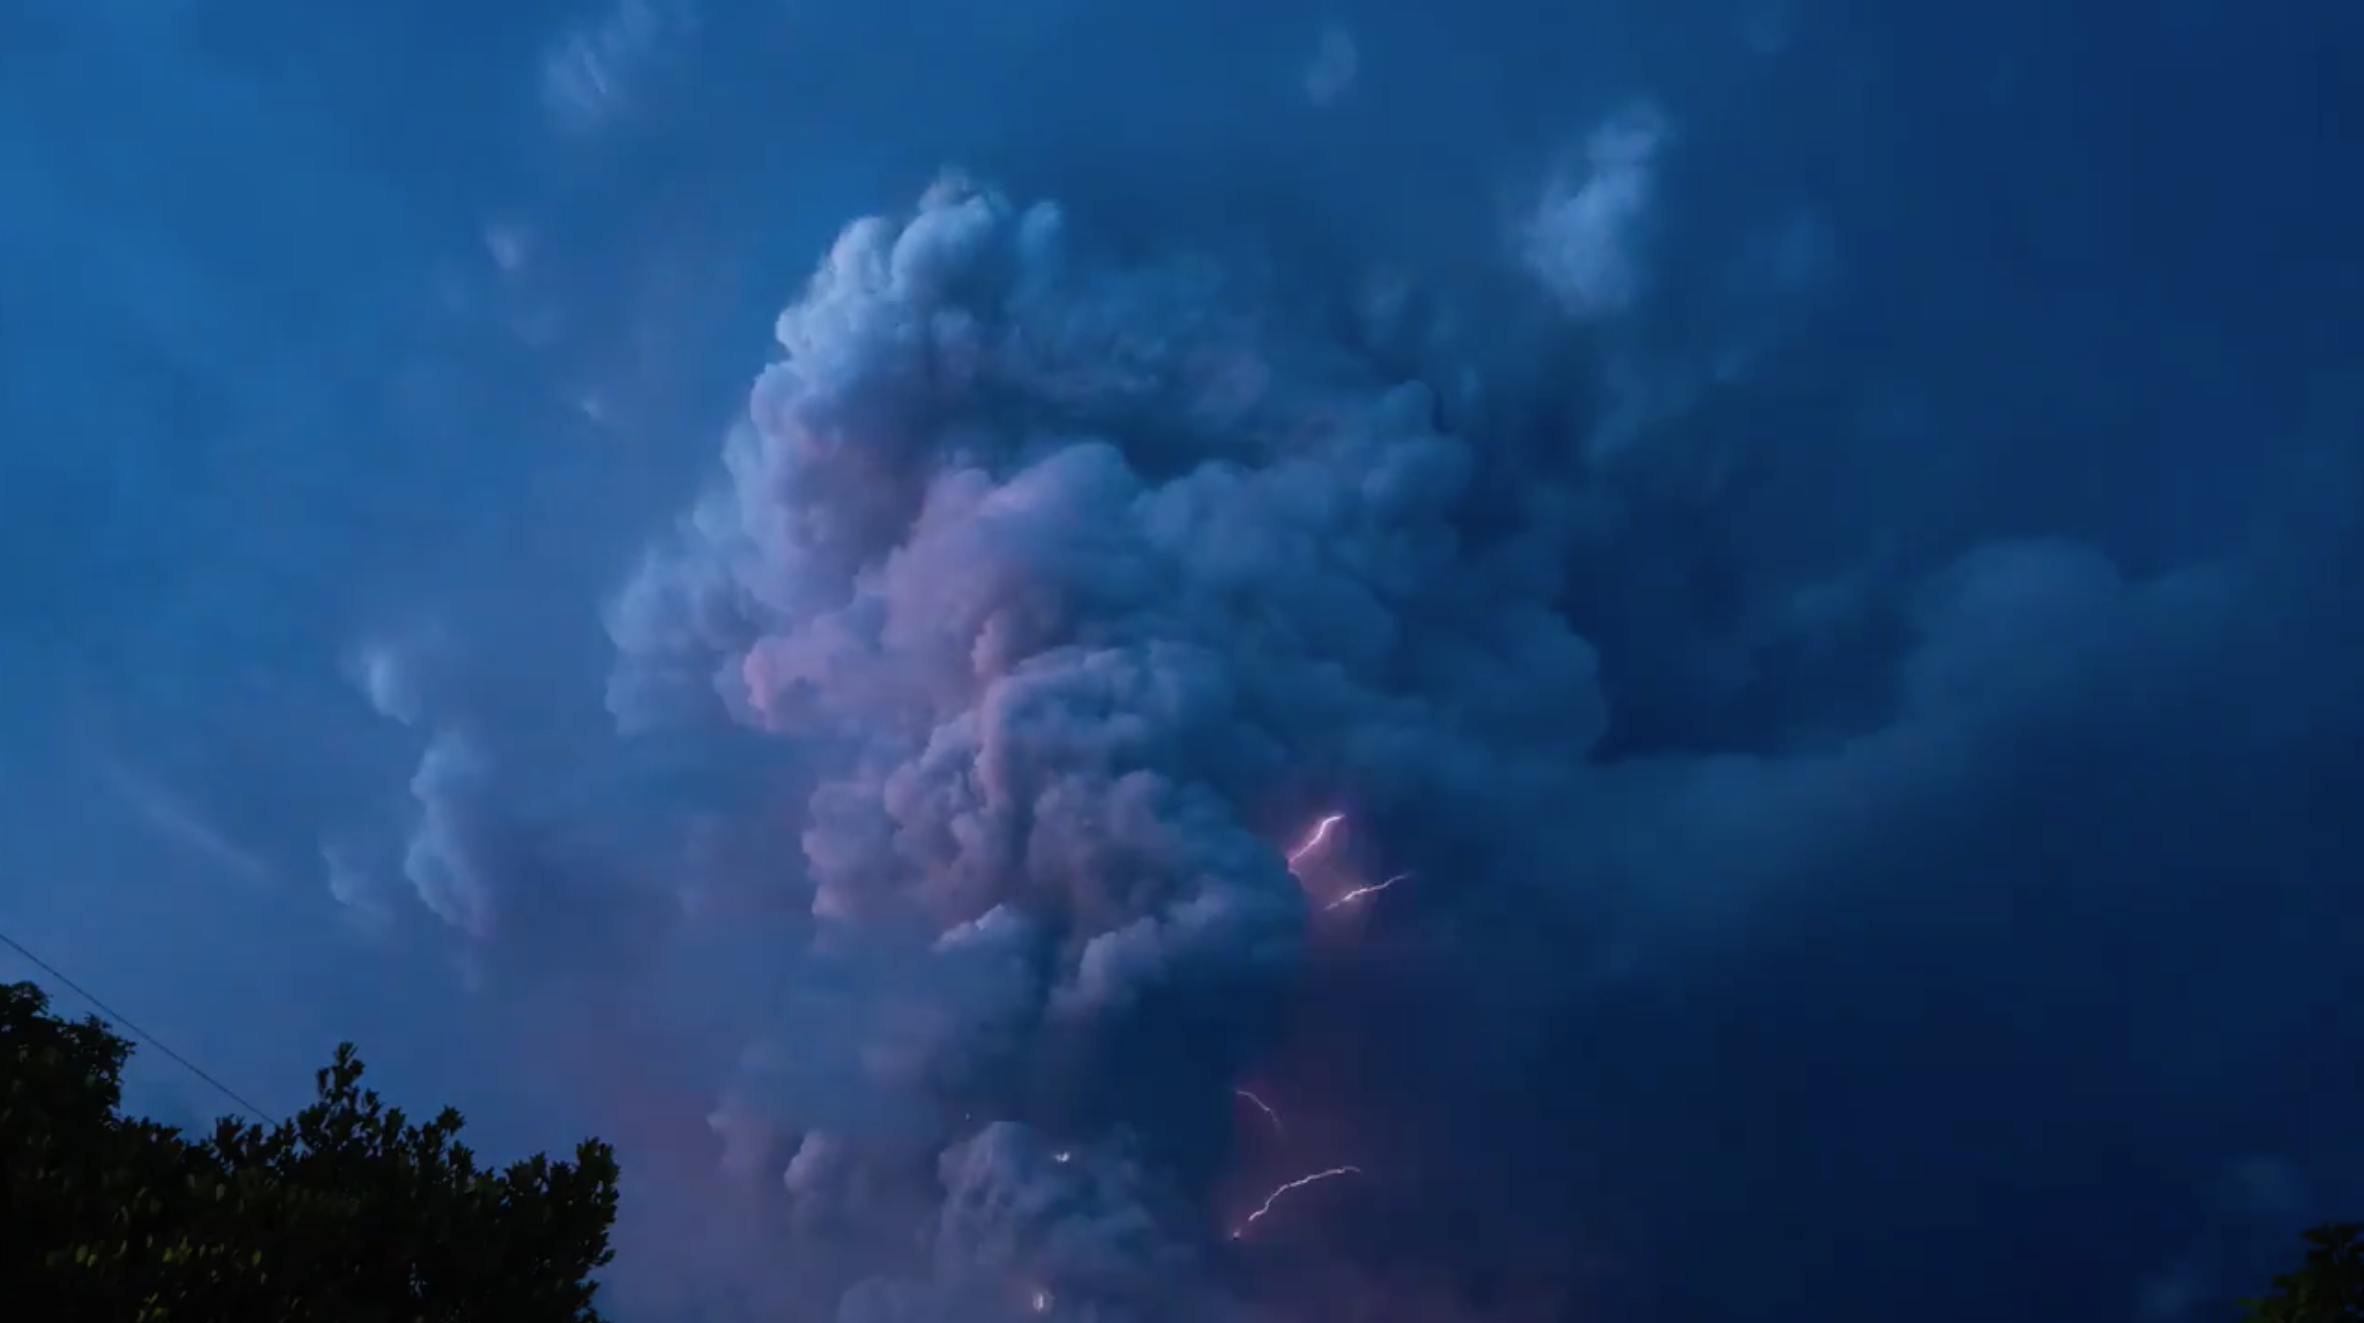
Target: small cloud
{"points": [[391, 687], [594, 73], [2168, 1297], [2263, 1186], [399, 671], [1332, 70], [177, 821], [510, 245], [354, 885], [1583, 242]]}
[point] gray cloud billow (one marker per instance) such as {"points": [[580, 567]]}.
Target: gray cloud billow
{"points": [[1824, 838], [1079, 587], [1084, 585]]}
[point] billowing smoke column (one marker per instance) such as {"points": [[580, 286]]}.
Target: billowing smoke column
{"points": [[1082, 589]]}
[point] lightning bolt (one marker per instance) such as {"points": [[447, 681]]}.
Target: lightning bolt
{"points": [[1321, 833], [1284, 1188], [1041, 1302], [1359, 892], [1262, 1106]]}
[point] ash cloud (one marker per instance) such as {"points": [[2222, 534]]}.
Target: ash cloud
{"points": [[1082, 582], [1807, 549], [1585, 239], [1078, 580]]}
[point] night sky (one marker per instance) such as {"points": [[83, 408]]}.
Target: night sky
{"points": [[1701, 659]]}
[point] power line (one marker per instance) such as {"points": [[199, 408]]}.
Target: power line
{"points": [[138, 1034]]}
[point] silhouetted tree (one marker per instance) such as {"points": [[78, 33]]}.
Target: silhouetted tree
{"points": [[346, 1212], [2327, 1288]]}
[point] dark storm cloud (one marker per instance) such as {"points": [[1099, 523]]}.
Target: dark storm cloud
{"points": [[1054, 566], [1011, 528], [1080, 580], [1787, 523]]}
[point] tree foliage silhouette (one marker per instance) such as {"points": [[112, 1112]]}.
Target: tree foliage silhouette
{"points": [[347, 1212], [2328, 1287]]}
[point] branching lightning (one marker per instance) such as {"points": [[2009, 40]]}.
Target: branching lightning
{"points": [[1284, 1188], [1315, 839], [1262, 1106], [1360, 892]]}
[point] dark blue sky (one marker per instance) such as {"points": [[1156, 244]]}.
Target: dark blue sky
{"points": [[1822, 535]]}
